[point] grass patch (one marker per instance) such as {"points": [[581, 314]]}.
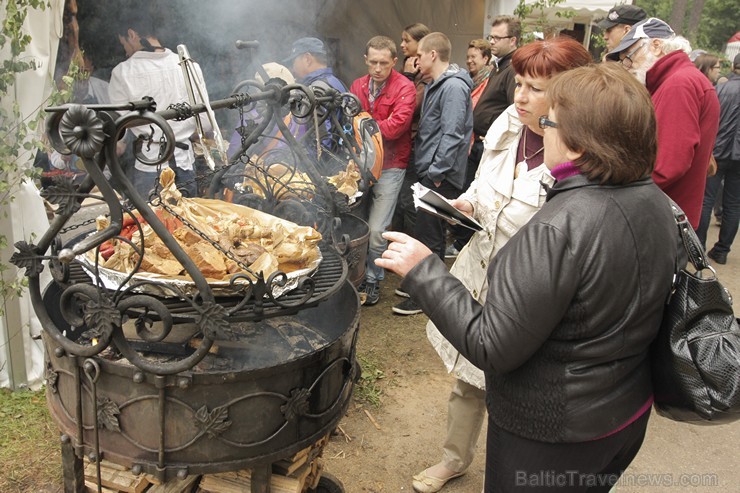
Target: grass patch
{"points": [[29, 442], [368, 389]]}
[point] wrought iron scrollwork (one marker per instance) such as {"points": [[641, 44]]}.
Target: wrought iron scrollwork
{"points": [[92, 132]]}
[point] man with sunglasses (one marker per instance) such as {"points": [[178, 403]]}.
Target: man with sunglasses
{"points": [[686, 109]]}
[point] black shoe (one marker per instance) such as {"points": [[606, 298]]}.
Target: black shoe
{"points": [[720, 258], [407, 307], [371, 291], [401, 292]]}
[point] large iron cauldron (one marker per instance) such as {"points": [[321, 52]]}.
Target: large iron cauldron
{"points": [[274, 389]]}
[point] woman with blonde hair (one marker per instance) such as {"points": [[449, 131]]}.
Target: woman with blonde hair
{"points": [[478, 60]]}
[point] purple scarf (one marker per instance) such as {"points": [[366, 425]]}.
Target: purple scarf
{"points": [[563, 171]]}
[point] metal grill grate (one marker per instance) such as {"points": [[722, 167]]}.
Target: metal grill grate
{"points": [[328, 278]]}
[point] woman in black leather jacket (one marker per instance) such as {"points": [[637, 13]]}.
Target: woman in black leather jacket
{"points": [[575, 298]]}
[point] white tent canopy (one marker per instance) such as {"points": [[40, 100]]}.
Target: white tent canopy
{"points": [[586, 13], [21, 353]]}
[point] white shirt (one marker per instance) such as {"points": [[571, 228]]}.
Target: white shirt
{"points": [[157, 74]]}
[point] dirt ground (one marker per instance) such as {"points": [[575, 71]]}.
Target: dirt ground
{"points": [[412, 420]]}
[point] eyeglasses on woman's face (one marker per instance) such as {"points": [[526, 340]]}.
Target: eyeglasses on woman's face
{"points": [[496, 39], [544, 122], [627, 60]]}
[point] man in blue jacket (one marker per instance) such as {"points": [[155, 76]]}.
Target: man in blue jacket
{"points": [[442, 141], [309, 63]]}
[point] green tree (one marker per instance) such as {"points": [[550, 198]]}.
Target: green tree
{"points": [[708, 24], [534, 17]]}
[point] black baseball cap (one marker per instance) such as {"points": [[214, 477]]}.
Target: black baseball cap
{"points": [[623, 14]]}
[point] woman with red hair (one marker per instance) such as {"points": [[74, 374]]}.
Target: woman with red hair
{"points": [[505, 194]]}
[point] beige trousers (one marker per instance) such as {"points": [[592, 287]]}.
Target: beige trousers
{"points": [[466, 410]]}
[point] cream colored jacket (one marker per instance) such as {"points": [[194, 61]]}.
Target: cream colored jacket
{"points": [[504, 195]]}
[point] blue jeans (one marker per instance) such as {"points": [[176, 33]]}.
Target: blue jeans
{"points": [[383, 203], [728, 170]]}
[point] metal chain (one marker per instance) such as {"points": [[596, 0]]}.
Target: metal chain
{"points": [[78, 225], [183, 111], [200, 233]]}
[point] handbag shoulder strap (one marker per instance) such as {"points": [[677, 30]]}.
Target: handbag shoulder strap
{"points": [[690, 241]]}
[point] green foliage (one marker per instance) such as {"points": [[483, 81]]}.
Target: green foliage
{"points": [[541, 23], [29, 442], [18, 143], [368, 390], [719, 21]]}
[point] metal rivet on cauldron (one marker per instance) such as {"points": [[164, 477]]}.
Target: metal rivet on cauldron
{"points": [[182, 474], [137, 469], [66, 255], [59, 352], [183, 383], [92, 457], [65, 438], [138, 377]]}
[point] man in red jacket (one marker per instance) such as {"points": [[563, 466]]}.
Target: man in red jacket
{"points": [[686, 109], [390, 98]]}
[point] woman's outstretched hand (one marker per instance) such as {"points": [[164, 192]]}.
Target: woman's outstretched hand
{"points": [[402, 254]]}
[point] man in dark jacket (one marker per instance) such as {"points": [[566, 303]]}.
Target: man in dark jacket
{"points": [[497, 96], [442, 140], [727, 154], [686, 108], [390, 98]]}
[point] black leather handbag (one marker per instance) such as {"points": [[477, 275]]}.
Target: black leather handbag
{"points": [[696, 356]]}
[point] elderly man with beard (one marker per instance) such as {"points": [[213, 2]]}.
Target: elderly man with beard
{"points": [[686, 108]]}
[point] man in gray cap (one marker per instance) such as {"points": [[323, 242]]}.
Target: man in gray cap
{"points": [[618, 22], [308, 62], [686, 109]]}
